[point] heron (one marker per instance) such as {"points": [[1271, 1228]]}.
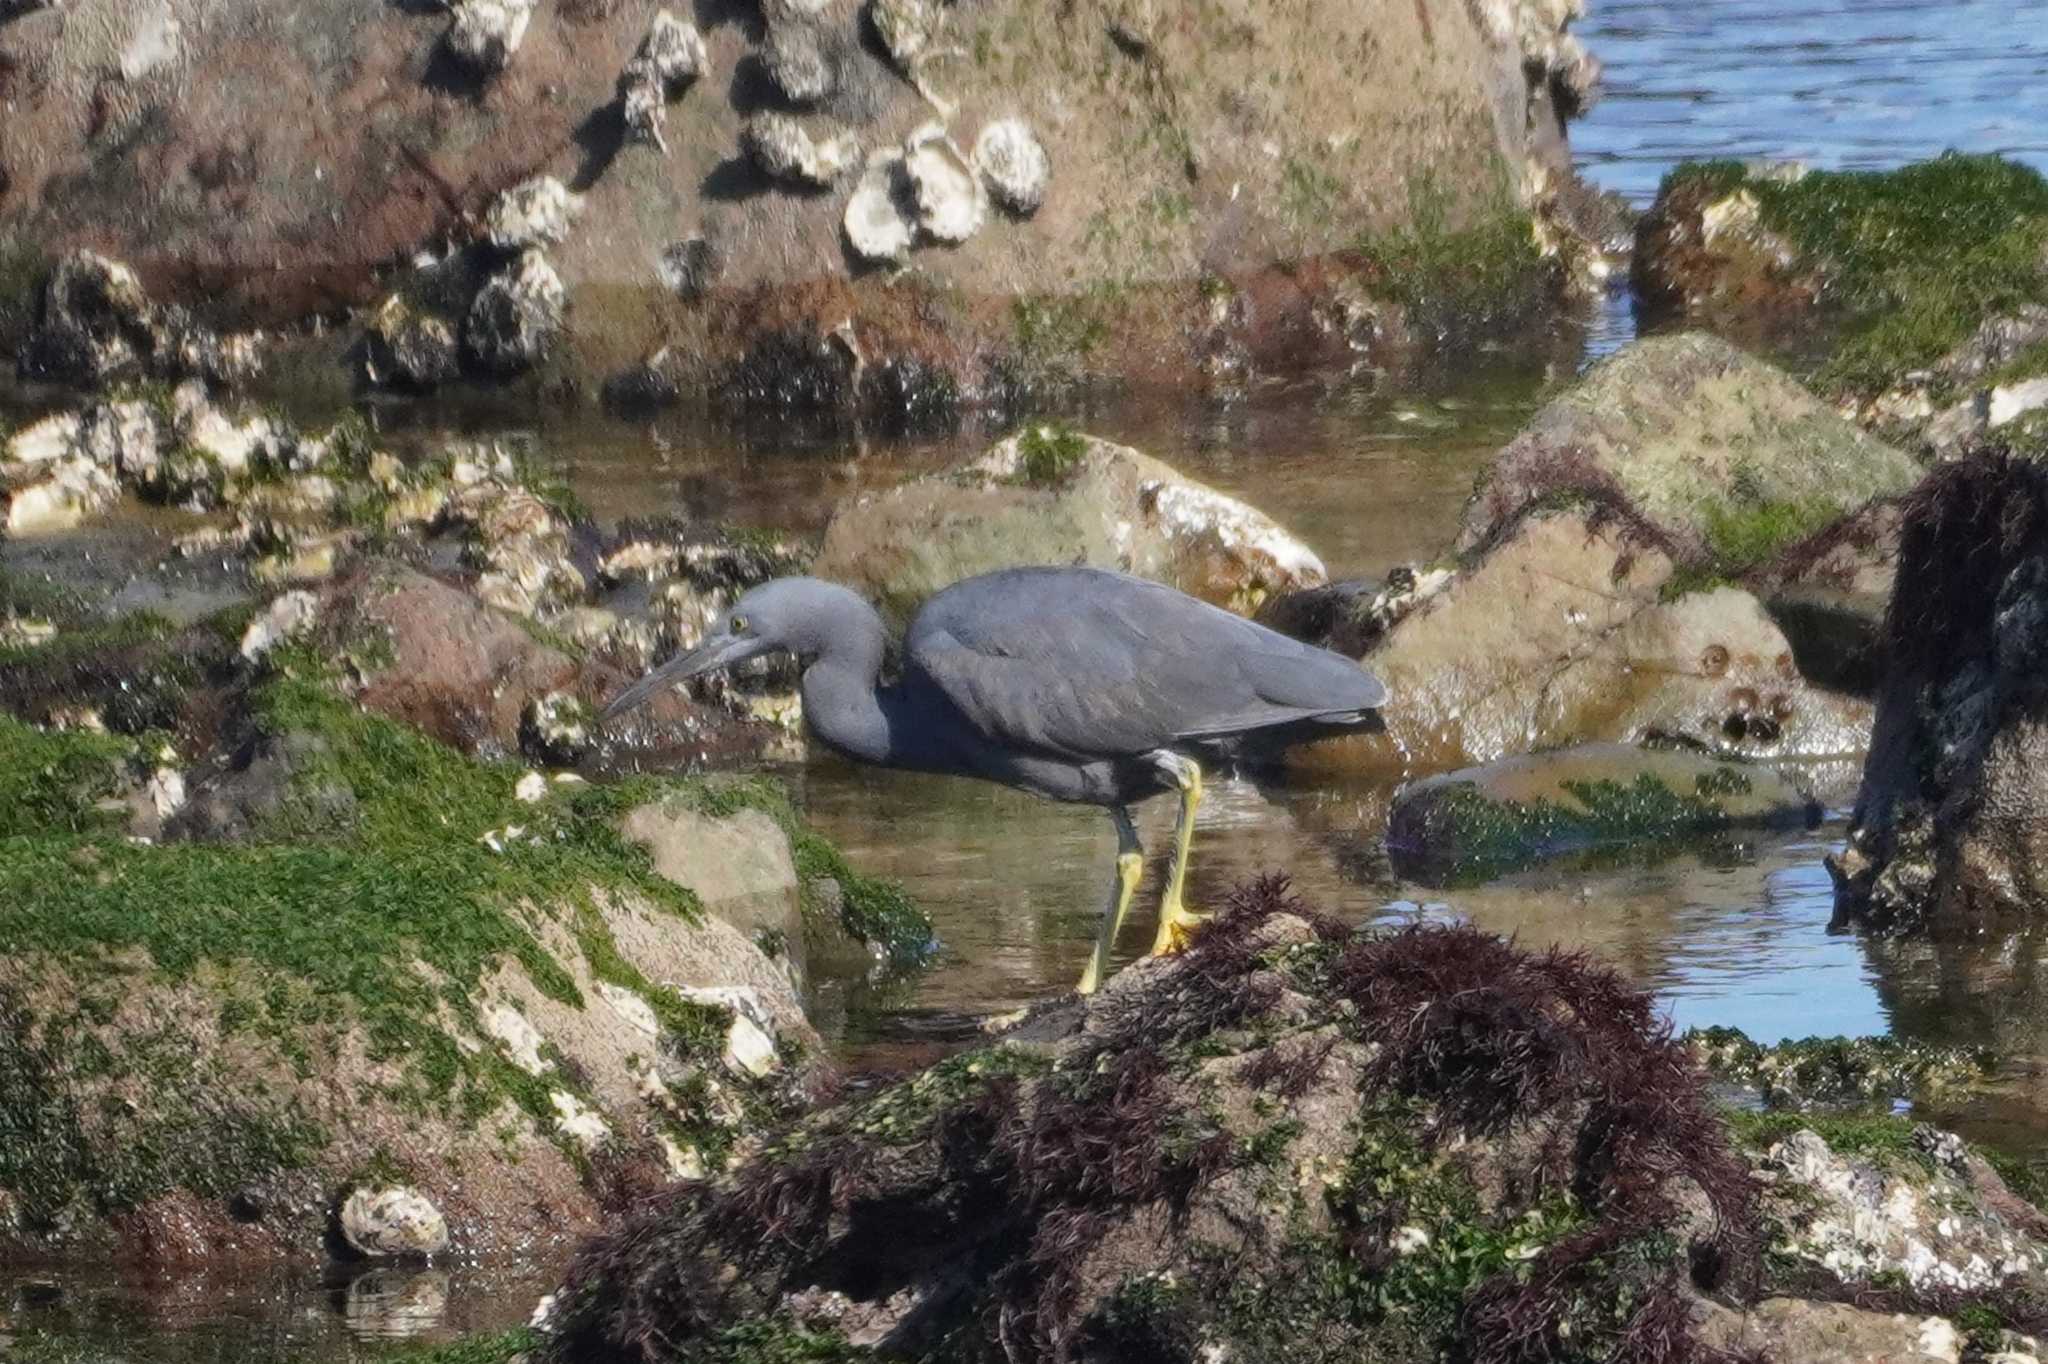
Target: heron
{"points": [[1077, 684]]}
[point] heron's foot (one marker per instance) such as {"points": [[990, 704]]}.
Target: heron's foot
{"points": [[1177, 927]]}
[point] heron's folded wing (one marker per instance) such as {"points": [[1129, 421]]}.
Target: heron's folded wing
{"points": [[1120, 667]]}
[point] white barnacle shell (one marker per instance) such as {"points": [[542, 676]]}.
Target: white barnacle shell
{"points": [[1013, 164], [947, 193]]}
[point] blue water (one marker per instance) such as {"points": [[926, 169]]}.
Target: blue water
{"points": [[1840, 84]]}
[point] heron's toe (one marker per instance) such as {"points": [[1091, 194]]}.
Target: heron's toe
{"points": [[1177, 930]]}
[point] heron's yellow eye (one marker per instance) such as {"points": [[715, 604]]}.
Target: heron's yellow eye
{"points": [[739, 625]]}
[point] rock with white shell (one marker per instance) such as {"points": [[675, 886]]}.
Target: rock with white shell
{"points": [[486, 33], [951, 206], [393, 1221], [794, 57], [905, 28], [1013, 164], [880, 221], [535, 212]]}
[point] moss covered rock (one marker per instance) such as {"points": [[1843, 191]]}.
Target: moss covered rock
{"points": [[1900, 266], [402, 970], [1728, 457], [1601, 798], [1052, 496]]}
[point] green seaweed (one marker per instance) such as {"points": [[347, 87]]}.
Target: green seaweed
{"points": [[1840, 1070], [1456, 280], [1048, 455], [55, 781]]}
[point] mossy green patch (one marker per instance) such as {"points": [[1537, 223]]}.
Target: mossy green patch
{"points": [[53, 781], [1743, 535], [1839, 1070], [1456, 281], [499, 1347], [1883, 1140], [1048, 455]]}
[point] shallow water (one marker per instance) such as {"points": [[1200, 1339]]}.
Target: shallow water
{"points": [[1731, 933]]}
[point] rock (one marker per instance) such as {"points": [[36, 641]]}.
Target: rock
{"points": [[95, 323], [749, 1037], [670, 57], [393, 1221], [485, 33], [1831, 1333], [1703, 248], [1348, 1112], [1352, 616], [1947, 830], [1996, 343], [515, 317], [60, 499], [1050, 497], [739, 866], [1726, 457], [944, 188], [1478, 823], [688, 268], [785, 150], [1014, 165], [1561, 633], [881, 214], [533, 213], [289, 615], [794, 57], [556, 728], [905, 28], [1829, 593], [409, 349]]}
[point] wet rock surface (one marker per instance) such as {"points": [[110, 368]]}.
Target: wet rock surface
{"points": [[1305, 1141], [1946, 830]]}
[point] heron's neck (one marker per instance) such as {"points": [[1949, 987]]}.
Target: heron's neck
{"points": [[842, 704]]}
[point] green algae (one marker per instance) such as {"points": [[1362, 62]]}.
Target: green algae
{"points": [[499, 1348], [1048, 455], [1743, 535], [1457, 280], [1914, 258], [55, 781]]}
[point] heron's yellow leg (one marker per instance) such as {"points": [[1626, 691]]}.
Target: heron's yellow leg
{"points": [[1130, 869], [1176, 920]]}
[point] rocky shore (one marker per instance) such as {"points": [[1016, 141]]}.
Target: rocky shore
{"points": [[339, 930]]}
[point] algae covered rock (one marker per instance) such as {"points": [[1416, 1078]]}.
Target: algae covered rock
{"points": [[1600, 798], [406, 1004], [1047, 496], [1726, 456]]}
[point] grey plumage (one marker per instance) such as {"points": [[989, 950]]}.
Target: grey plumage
{"points": [[1075, 683]]}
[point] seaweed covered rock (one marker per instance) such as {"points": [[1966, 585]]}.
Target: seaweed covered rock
{"points": [[1048, 496], [1948, 826], [1897, 267], [1298, 1142], [407, 1004], [1605, 799], [1726, 456], [1574, 626]]}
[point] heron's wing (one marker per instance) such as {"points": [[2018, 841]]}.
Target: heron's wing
{"points": [[1089, 663]]}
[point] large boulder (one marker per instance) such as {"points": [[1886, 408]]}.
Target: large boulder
{"points": [[205, 154], [1048, 496], [1728, 457], [1572, 627], [1950, 828], [1298, 1141], [398, 1001], [1606, 799]]}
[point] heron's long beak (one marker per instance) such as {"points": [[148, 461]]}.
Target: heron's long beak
{"points": [[722, 650]]}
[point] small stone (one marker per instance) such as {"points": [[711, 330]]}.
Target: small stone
{"points": [[486, 33], [409, 349], [794, 57], [1408, 1240], [41, 444], [689, 267], [880, 219], [1013, 164], [644, 108], [2009, 402], [578, 1121], [96, 322], [516, 316], [950, 203], [535, 212], [674, 50], [531, 788], [750, 1039], [521, 1040], [785, 150], [393, 1221], [555, 728], [61, 500], [286, 618]]}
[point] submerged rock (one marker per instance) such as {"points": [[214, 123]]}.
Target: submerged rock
{"points": [[410, 349], [95, 322], [786, 150], [1013, 163], [1050, 497], [516, 317], [688, 268], [1599, 798]]}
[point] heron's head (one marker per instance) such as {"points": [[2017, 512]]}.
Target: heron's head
{"points": [[801, 616]]}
